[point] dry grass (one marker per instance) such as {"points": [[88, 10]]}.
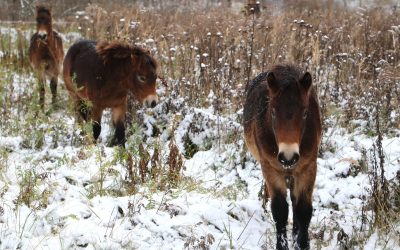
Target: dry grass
{"points": [[207, 56], [353, 56]]}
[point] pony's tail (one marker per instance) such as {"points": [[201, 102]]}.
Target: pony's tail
{"points": [[69, 59]]}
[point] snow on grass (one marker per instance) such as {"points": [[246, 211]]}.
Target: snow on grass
{"points": [[69, 218], [75, 195]]}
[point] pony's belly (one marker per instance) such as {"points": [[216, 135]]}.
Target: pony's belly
{"points": [[251, 143], [106, 103], [102, 99], [49, 66]]}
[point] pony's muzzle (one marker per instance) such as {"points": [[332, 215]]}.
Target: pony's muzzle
{"points": [[288, 154], [151, 101], [42, 34]]}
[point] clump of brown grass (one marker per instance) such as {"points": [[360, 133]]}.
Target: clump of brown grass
{"points": [[175, 163]]}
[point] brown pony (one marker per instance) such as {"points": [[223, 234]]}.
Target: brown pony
{"points": [[282, 130], [46, 52], [101, 74]]}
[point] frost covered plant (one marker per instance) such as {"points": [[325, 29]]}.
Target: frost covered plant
{"points": [[105, 181], [34, 128], [202, 243], [229, 235], [29, 192], [143, 162], [175, 163], [190, 147]]}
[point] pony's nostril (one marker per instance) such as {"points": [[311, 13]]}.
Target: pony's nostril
{"points": [[295, 158], [281, 158], [153, 104], [288, 162]]}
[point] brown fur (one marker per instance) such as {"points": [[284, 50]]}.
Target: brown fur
{"points": [[46, 52], [285, 93], [103, 73]]}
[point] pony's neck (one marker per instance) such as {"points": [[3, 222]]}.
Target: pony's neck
{"points": [[50, 33]]}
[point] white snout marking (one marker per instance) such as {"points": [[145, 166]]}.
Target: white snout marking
{"points": [[150, 99], [288, 149], [42, 32]]}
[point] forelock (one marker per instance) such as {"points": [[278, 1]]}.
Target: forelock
{"points": [[43, 10], [287, 77]]}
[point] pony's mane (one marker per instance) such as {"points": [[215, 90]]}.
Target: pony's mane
{"points": [[122, 50], [287, 76]]}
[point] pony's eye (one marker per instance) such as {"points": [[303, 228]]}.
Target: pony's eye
{"points": [[305, 114], [141, 78]]}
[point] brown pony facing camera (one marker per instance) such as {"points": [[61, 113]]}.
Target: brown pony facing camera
{"points": [[99, 76], [282, 129], [46, 53]]}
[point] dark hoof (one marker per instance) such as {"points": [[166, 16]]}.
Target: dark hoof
{"points": [[55, 105], [282, 244], [297, 247], [114, 142]]}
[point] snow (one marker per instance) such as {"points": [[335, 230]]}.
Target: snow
{"points": [[146, 220], [80, 198]]}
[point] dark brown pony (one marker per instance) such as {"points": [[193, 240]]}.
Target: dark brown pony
{"points": [[46, 52], [101, 74], [282, 130]]}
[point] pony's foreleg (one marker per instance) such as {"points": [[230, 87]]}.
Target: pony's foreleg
{"points": [[41, 88], [280, 208], [53, 88], [302, 208], [96, 122], [118, 117]]}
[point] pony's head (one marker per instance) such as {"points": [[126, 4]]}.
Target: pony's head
{"points": [[43, 21], [289, 92]]}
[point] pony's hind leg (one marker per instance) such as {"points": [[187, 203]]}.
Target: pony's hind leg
{"points": [[41, 95], [53, 88]]}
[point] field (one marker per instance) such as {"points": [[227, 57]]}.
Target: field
{"points": [[185, 179]]}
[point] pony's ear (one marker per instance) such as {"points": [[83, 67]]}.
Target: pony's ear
{"points": [[272, 83], [147, 51], [306, 81], [116, 50]]}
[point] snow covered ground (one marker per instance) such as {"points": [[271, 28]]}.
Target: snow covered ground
{"points": [[66, 193], [78, 198]]}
